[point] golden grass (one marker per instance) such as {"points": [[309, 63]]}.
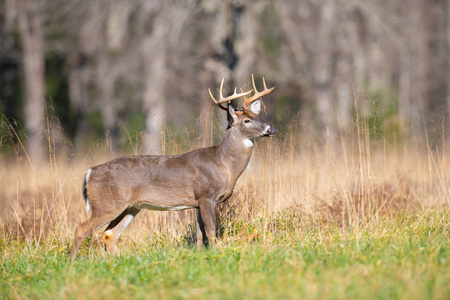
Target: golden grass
{"points": [[356, 184]]}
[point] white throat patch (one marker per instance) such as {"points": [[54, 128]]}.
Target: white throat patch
{"points": [[248, 143]]}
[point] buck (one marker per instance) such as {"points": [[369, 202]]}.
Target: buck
{"points": [[116, 191]]}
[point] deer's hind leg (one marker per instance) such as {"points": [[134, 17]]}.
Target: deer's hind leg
{"points": [[116, 227], [87, 228]]}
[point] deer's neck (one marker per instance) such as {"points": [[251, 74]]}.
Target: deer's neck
{"points": [[235, 152]]}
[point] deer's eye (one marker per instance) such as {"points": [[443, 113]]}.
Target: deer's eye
{"points": [[247, 121]]}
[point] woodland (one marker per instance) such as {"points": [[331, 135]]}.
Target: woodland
{"points": [[117, 70]]}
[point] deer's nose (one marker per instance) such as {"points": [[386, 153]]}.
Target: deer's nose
{"points": [[270, 131]]}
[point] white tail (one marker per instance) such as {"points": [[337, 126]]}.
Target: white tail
{"points": [[85, 194]]}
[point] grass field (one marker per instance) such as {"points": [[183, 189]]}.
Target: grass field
{"points": [[407, 259], [365, 219]]}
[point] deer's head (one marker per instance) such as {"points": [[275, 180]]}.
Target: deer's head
{"points": [[246, 121]]}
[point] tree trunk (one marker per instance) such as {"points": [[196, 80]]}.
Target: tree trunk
{"points": [[154, 56], [206, 110], [105, 81], [323, 74], [411, 86], [447, 40], [78, 98], [245, 43], [344, 74], [32, 41]]}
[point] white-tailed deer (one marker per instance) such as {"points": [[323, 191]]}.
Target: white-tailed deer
{"points": [[117, 190]]}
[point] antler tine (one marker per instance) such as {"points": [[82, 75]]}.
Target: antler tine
{"points": [[223, 99], [257, 94], [254, 86]]}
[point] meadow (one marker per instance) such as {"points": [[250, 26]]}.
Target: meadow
{"points": [[363, 218]]}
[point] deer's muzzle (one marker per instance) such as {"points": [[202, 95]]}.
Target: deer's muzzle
{"points": [[269, 131]]}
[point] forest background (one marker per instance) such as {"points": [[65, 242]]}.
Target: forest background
{"points": [[121, 69]]}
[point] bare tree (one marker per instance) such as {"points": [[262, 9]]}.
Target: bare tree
{"points": [[447, 41], [322, 77], [245, 40], [154, 58], [78, 78], [411, 55], [345, 44], [32, 41]]}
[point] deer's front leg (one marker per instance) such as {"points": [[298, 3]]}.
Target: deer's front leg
{"points": [[207, 217]]}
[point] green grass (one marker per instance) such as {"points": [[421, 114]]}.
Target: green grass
{"points": [[405, 258]]}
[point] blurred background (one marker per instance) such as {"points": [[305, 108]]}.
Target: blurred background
{"points": [[124, 71]]}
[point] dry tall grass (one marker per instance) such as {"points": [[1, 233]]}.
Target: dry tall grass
{"points": [[356, 184]]}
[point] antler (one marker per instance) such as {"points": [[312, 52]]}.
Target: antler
{"points": [[257, 94], [227, 99]]}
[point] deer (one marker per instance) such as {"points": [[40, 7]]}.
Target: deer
{"points": [[117, 190]]}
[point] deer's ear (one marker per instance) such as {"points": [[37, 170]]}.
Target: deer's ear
{"points": [[255, 107], [232, 116]]}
